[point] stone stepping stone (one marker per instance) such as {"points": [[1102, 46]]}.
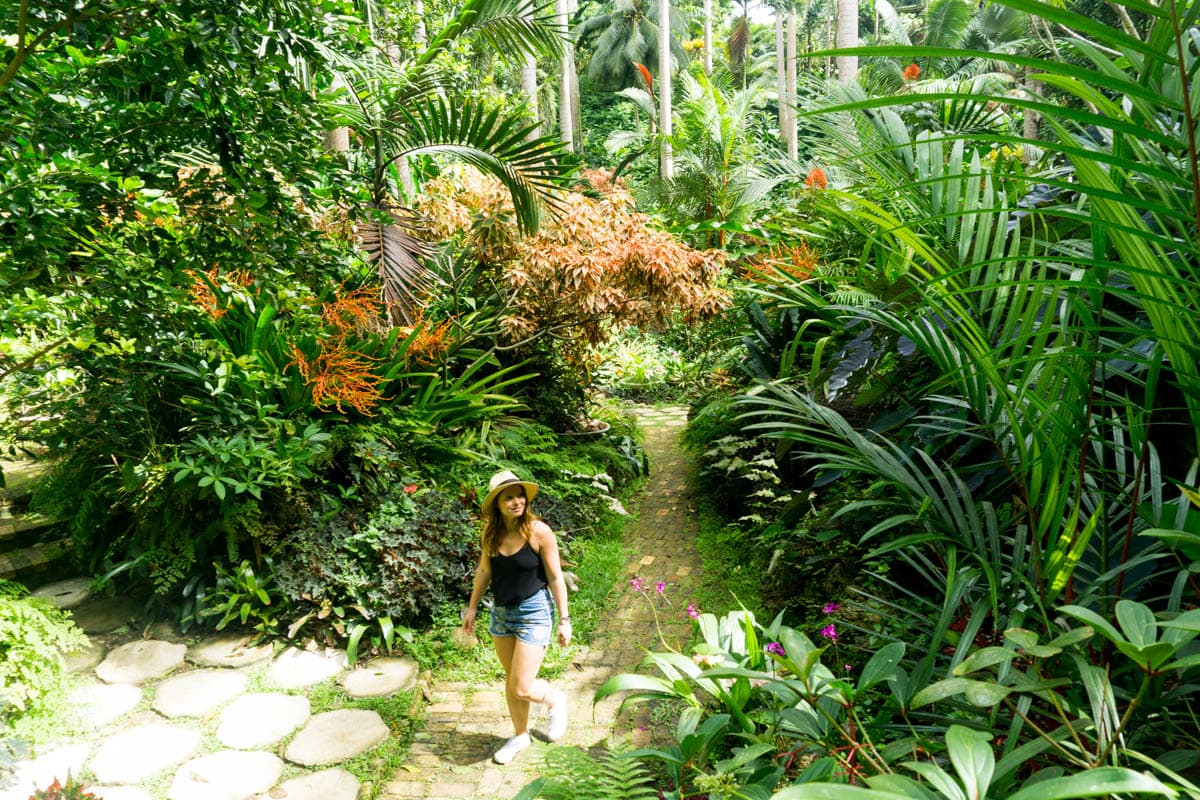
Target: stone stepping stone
{"points": [[261, 719], [140, 661], [84, 659], [98, 704], [196, 693], [120, 793], [381, 676], [106, 614], [136, 754], [328, 784], [228, 651], [335, 736], [40, 772], [66, 594], [227, 775], [297, 669]]}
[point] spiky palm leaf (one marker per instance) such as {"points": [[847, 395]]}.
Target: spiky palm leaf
{"points": [[396, 249]]}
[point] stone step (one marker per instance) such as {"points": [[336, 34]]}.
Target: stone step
{"points": [[37, 564], [23, 528], [19, 477]]}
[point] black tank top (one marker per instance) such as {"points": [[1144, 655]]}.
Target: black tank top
{"points": [[517, 577]]}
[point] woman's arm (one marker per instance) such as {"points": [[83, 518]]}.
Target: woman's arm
{"points": [[483, 579], [547, 547]]}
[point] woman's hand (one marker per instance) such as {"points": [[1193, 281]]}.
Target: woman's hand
{"points": [[564, 632], [468, 624]]}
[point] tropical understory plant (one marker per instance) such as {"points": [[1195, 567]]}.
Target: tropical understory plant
{"points": [[1031, 458]]}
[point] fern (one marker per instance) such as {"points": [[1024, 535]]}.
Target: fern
{"points": [[574, 774]]}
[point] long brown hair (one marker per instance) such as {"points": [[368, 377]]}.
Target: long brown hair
{"points": [[493, 525]]}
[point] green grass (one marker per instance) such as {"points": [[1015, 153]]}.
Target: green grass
{"points": [[401, 712], [732, 567]]}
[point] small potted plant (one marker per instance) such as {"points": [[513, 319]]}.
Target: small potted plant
{"points": [[71, 790]]}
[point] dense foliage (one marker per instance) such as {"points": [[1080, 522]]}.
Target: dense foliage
{"points": [[275, 338]]}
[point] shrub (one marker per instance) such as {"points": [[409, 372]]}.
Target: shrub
{"points": [[401, 557], [33, 637]]}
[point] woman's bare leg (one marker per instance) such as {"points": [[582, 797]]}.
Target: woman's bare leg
{"points": [[523, 686]]}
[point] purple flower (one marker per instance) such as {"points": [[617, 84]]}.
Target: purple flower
{"points": [[775, 649], [830, 608], [848, 667], [636, 583], [829, 632], [660, 586], [692, 611]]}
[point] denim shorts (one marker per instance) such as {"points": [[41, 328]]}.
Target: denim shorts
{"points": [[531, 621]]}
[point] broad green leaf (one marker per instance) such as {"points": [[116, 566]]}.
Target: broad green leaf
{"points": [[971, 754], [1095, 783], [1071, 637], [1137, 622], [1150, 657], [982, 659], [881, 666], [977, 693], [941, 780], [1089, 617]]}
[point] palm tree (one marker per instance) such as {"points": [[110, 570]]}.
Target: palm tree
{"points": [[409, 109], [847, 36], [567, 94], [625, 37], [666, 168]]}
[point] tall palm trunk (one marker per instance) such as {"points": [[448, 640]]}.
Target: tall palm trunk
{"points": [[666, 159], [707, 37], [847, 36], [419, 37], [566, 116], [781, 77], [790, 86]]}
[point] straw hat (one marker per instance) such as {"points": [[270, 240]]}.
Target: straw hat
{"points": [[501, 481]]}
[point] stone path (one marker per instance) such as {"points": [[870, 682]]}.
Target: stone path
{"points": [[451, 757], [221, 720], [188, 723]]}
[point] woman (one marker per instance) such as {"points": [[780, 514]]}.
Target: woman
{"points": [[519, 560]]}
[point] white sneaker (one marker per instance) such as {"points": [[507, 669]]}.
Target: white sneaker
{"points": [[511, 749], [557, 727]]}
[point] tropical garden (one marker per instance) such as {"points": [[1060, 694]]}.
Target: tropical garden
{"points": [[286, 280]]}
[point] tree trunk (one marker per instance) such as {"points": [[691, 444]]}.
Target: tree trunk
{"points": [[793, 148], [529, 86], [337, 140], [419, 37], [708, 37], [566, 118], [1031, 120], [847, 36], [666, 160], [781, 77]]}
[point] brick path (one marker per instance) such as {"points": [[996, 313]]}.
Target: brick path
{"points": [[451, 757]]}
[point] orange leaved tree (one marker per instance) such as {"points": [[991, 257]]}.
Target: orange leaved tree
{"points": [[597, 266]]}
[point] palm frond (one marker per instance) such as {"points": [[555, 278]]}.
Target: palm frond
{"points": [[516, 28], [495, 143], [396, 248], [891, 23]]}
